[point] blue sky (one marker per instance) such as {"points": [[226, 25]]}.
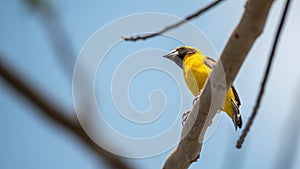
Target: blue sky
{"points": [[28, 141]]}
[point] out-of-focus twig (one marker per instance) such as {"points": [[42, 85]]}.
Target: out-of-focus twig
{"points": [[56, 32], [212, 96], [57, 115], [289, 142], [194, 15], [62, 46], [266, 75]]}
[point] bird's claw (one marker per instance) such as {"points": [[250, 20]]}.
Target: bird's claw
{"points": [[184, 117]]}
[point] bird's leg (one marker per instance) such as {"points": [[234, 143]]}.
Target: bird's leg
{"points": [[184, 117], [186, 114]]}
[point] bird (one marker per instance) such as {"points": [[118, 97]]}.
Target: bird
{"points": [[196, 69]]}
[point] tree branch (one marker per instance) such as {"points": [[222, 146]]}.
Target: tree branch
{"points": [[213, 95], [62, 46], [265, 79], [192, 16], [56, 115]]}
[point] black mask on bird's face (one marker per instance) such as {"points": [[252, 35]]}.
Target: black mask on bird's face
{"points": [[181, 52], [178, 55]]}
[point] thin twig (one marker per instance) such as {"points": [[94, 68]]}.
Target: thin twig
{"points": [[264, 82], [57, 115], [194, 15]]}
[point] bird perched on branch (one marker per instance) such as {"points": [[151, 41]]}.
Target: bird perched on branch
{"points": [[196, 69]]}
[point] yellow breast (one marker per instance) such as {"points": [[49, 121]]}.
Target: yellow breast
{"points": [[195, 72]]}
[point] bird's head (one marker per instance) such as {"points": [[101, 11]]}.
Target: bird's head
{"points": [[180, 53]]}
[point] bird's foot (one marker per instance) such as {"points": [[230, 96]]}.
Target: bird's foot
{"points": [[184, 117]]}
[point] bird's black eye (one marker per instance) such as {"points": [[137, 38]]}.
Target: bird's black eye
{"points": [[182, 51]]}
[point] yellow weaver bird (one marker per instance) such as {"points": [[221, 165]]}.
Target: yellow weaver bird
{"points": [[196, 69]]}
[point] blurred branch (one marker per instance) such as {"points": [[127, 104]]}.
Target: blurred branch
{"points": [[56, 32], [289, 142], [57, 115], [265, 79], [192, 16], [231, 59], [61, 43]]}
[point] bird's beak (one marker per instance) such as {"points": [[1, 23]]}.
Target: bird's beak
{"points": [[173, 55]]}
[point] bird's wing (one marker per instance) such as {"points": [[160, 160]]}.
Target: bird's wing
{"points": [[237, 98], [211, 63]]}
